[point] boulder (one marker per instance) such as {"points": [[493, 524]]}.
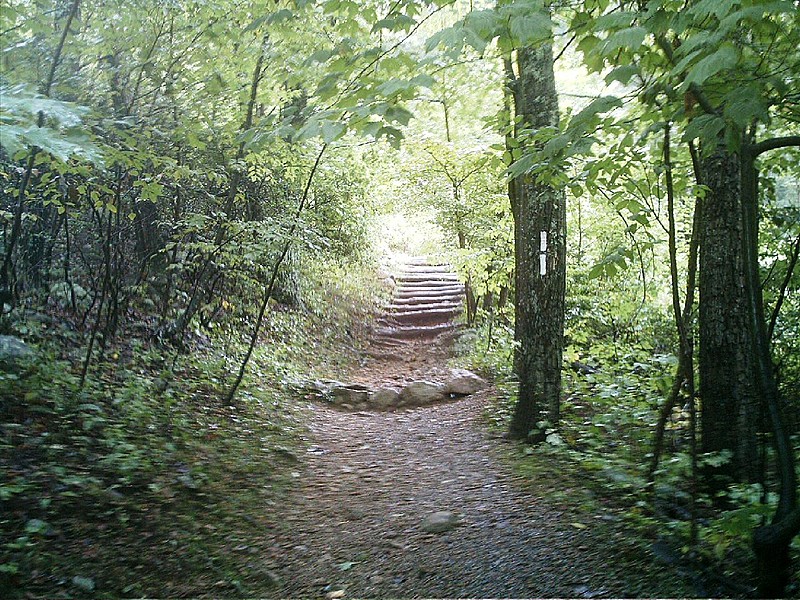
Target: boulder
{"points": [[439, 522], [321, 388], [420, 393], [351, 395], [385, 398], [13, 351], [464, 383]]}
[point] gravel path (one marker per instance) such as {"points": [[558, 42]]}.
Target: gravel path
{"points": [[353, 524]]}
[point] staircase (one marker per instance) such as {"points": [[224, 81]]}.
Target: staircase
{"points": [[426, 300]]}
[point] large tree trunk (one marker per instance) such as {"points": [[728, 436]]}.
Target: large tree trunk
{"points": [[731, 412], [540, 249]]}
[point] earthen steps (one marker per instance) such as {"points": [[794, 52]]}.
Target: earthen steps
{"points": [[426, 300]]}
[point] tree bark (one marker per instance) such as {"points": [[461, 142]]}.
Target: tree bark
{"points": [[540, 249], [730, 406]]}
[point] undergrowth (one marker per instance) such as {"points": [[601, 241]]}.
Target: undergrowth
{"points": [[143, 482], [617, 373]]}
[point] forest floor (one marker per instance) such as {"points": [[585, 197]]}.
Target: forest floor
{"points": [[354, 523]]}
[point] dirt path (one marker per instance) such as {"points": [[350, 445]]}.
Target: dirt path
{"points": [[353, 526]]}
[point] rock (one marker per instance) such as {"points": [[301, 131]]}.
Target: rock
{"points": [[321, 388], [439, 522], [385, 398], [62, 293], [420, 393], [13, 351], [464, 383], [352, 395]]}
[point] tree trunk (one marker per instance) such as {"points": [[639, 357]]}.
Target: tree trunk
{"points": [[730, 408], [540, 250], [771, 542]]}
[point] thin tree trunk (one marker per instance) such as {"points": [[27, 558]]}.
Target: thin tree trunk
{"points": [[787, 279], [103, 293], [269, 288]]}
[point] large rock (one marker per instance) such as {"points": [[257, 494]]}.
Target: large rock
{"points": [[321, 388], [350, 396], [13, 351], [464, 383], [420, 393], [385, 398], [439, 522]]}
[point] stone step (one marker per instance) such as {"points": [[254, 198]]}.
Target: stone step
{"points": [[413, 332], [432, 285], [443, 313], [427, 278], [418, 260], [418, 318], [426, 301], [388, 343], [400, 307], [416, 269], [411, 292]]}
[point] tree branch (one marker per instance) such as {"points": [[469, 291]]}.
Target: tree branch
{"points": [[775, 143], [784, 286]]}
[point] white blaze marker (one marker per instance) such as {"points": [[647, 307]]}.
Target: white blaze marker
{"points": [[542, 253]]}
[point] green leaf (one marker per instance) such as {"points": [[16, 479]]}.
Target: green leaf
{"points": [[556, 145], [630, 37], [395, 22], [483, 23], [743, 105], [332, 131], [531, 29], [615, 20], [724, 58], [704, 127], [451, 39], [623, 74], [392, 134], [270, 19], [392, 87]]}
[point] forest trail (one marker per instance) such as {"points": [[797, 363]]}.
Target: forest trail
{"points": [[356, 525]]}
